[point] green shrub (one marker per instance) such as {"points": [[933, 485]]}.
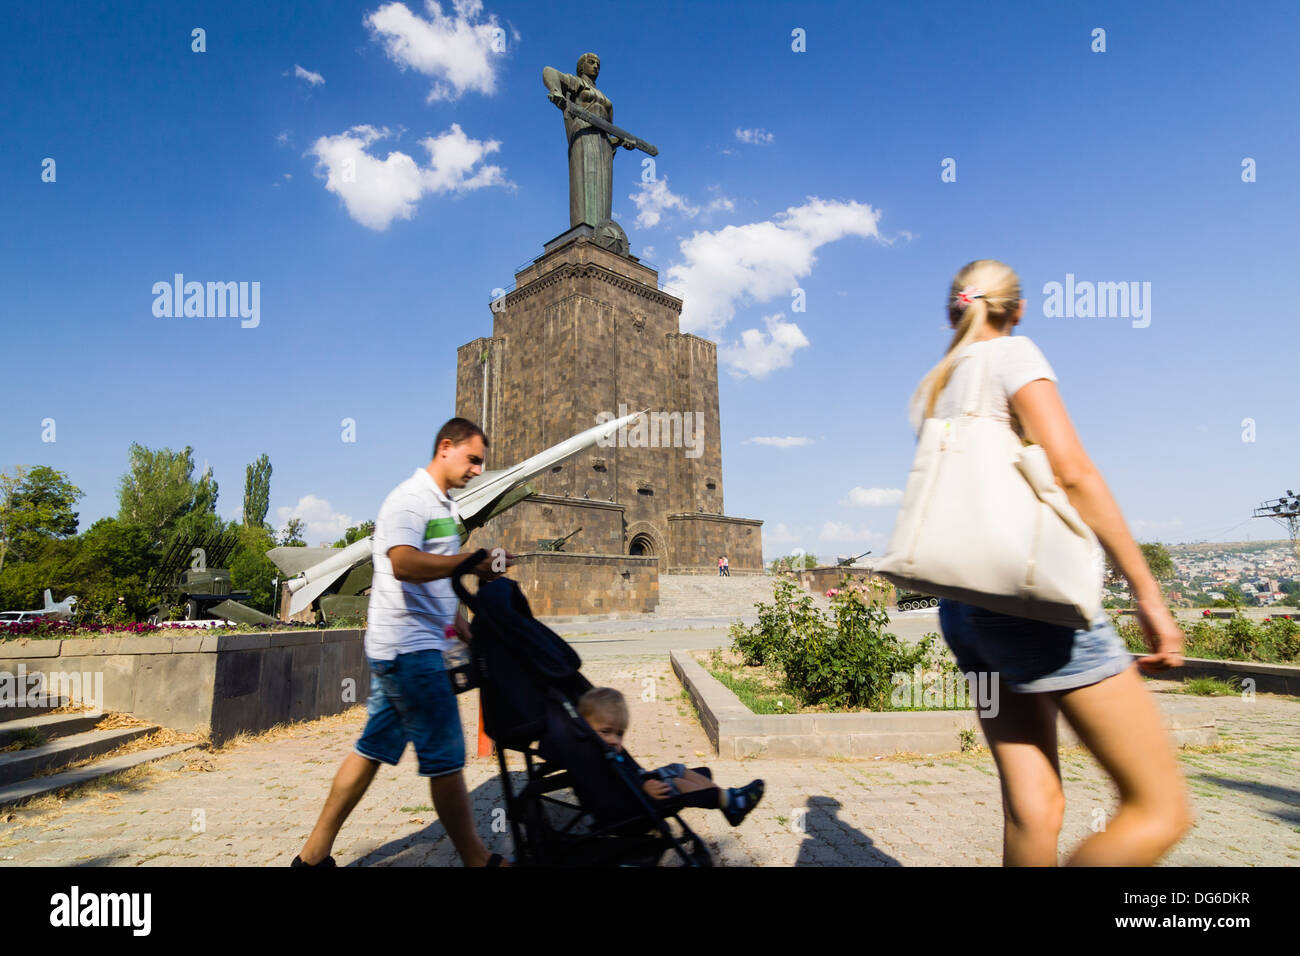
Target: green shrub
{"points": [[844, 660], [1275, 641], [768, 641]]}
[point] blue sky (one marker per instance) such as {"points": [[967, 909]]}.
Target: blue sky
{"points": [[824, 166]]}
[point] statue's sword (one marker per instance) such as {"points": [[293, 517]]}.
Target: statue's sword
{"points": [[572, 109]]}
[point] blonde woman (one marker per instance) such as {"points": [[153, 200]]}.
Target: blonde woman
{"points": [[1088, 675]]}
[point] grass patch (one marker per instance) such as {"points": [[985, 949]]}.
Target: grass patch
{"points": [[765, 690], [1212, 687]]}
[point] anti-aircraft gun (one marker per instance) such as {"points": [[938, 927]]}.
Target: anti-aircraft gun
{"points": [[848, 562], [556, 544]]}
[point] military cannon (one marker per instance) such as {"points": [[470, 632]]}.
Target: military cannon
{"points": [[848, 562], [556, 544]]}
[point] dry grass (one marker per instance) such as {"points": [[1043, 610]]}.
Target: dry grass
{"points": [[321, 726], [162, 737], [117, 721], [101, 794]]}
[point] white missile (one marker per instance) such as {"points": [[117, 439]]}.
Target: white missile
{"points": [[491, 487], [481, 499], [312, 582]]}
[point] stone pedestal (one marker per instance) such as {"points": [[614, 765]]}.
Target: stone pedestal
{"points": [[585, 336]]}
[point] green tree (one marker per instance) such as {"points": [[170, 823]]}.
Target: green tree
{"points": [[251, 570], [355, 534], [160, 494], [291, 536], [1159, 560], [106, 562], [257, 492], [35, 506]]}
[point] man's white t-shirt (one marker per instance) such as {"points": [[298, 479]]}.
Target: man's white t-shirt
{"points": [[406, 616], [1014, 362]]}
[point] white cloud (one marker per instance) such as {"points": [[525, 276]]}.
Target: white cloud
{"points": [[315, 79], [779, 535], [760, 137], [838, 531], [377, 191], [790, 441], [282, 138], [760, 353], [654, 199], [874, 497], [320, 521], [647, 252], [456, 50], [760, 260]]}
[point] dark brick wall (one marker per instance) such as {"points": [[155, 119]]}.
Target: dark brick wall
{"points": [[546, 517], [565, 585], [697, 540], [584, 332]]}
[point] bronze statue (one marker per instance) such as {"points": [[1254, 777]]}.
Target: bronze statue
{"points": [[592, 136]]}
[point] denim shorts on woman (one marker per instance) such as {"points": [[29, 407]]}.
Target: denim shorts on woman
{"points": [[1031, 657], [411, 700]]}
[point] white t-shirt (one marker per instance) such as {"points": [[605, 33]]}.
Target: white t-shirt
{"points": [[406, 616], [1014, 362]]}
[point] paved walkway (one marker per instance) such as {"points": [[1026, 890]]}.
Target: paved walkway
{"points": [[252, 804]]}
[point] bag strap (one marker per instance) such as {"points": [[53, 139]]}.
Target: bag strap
{"points": [[973, 401]]}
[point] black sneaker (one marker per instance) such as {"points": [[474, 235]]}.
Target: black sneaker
{"points": [[326, 863], [740, 800]]}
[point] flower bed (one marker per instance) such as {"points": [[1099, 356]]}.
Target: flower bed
{"points": [[61, 630]]}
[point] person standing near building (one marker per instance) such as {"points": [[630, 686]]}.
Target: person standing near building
{"points": [[416, 547]]}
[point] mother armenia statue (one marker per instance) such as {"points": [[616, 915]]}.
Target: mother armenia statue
{"points": [[592, 136]]}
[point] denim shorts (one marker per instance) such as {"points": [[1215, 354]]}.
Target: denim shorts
{"points": [[411, 700], [1031, 657]]}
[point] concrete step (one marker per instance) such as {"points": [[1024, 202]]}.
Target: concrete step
{"points": [[709, 596], [26, 789], [22, 764], [50, 725], [22, 713]]}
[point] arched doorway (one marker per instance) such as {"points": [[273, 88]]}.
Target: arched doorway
{"points": [[644, 541]]}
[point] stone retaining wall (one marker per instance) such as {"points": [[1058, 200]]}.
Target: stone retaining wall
{"points": [[1268, 678], [736, 731], [222, 684]]}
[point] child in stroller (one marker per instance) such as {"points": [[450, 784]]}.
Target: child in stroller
{"points": [[672, 787]]}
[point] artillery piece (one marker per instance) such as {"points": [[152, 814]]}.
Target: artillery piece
{"points": [[556, 544]]}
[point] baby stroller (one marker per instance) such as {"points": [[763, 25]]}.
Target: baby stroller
{"points": [[529, 683]]}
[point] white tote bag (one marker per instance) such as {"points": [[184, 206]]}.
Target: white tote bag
{"points": [[983, 521]]}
